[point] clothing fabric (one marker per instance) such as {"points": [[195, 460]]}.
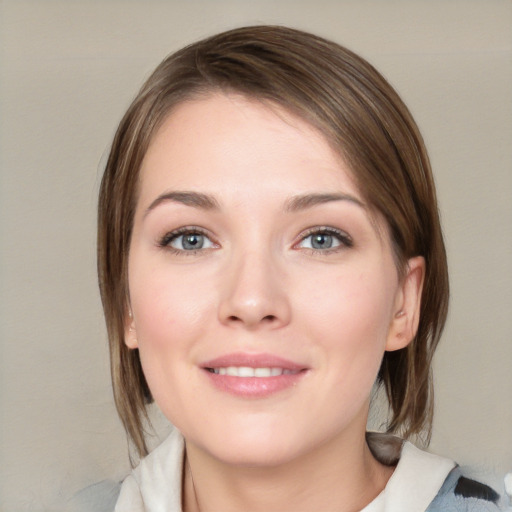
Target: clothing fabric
{"points": [[421, 482]]}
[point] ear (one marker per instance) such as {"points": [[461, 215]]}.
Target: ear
{"points": [[406, 314], [130, 334]]}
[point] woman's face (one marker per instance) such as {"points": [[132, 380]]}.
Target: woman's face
{"points": [[263, 291]]}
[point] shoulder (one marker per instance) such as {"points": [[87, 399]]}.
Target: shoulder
{"points": [[155, 484], [462, 494], [99, 497], [426, 482], [416, 481]]}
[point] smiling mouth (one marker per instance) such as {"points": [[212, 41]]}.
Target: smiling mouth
{"points": [[247, 371], [253, 376]]}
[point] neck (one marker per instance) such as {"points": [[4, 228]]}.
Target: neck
{"points": [[342, 476]]}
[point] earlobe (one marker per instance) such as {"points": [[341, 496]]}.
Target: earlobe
{"points": [[406, 317], [130, 334]]}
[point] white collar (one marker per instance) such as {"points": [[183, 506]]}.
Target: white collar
{"points": [[159, 475], [412, 487], [416, 480]]}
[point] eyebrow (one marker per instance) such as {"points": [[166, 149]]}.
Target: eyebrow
{"points": [[194, 199], [208, 202], [303, 202]]}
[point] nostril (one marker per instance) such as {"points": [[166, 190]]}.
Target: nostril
{"points": [[265, 319]]}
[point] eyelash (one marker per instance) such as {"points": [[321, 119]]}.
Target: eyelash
{"points": [[343, 238], [166, 240]]}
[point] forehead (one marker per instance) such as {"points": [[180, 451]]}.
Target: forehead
{"points": [[236, 139]]}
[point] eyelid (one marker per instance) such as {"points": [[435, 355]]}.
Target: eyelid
{"points": [[344, 238], [165, 240]]}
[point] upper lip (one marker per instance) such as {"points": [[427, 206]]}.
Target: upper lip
{"points": [[252, 361]]}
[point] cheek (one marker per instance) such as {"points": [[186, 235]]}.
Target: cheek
{"points": [[349, 317], [169, 317], [346, 302], [170, 312], [166, 303]]}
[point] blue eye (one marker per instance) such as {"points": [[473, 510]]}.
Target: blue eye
{"points": [[322, 241], [186, 240], [325, 240]]}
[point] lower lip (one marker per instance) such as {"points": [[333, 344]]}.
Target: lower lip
{"points": [[254, 387]]}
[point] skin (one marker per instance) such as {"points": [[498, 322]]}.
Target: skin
{"points": [[259, 286]]}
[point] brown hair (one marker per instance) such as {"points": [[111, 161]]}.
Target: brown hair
{"points": [[365, 121]]}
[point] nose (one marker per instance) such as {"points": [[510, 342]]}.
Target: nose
{"points": [[253, 294]]}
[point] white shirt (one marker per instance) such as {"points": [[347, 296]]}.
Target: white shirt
{"points": [[155, 484]]}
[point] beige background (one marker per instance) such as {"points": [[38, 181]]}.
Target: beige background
{"points": [[69, 70]]}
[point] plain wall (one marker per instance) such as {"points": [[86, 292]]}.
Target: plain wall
{"points": [[69, 70]]}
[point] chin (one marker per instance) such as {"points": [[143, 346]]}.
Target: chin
{"points": [[246, 443], [264, 453]]}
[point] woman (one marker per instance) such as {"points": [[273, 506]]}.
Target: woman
{"points": [[269, 247]]}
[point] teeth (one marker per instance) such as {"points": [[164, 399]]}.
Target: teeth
{"points": [[265, 372], [246, 371]]}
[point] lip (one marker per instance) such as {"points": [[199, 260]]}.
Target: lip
{"points": [[253, 387], [253, 361]]}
